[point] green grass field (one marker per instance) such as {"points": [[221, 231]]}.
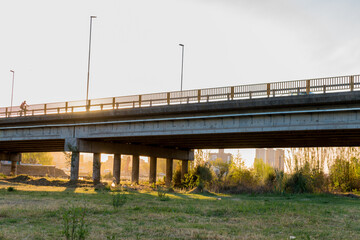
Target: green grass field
{"points": [[35, 212]]}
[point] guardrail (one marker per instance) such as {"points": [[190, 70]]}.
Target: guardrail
{"points": [[288, 88]]}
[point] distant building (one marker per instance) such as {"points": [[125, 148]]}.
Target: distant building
{"points": [[226, 157], [273, 157]]}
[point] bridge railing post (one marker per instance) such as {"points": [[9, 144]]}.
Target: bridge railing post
{"points": [[351, 83], [232, 93], [66, 107], [113, 103], [88, 105], [199, 95], [45, 109], [268, 90], [168, 98], [307, 86], [139, 100], [6, 112]]}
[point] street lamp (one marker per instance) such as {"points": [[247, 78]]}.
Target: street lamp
{"points": [[88, 75], [182, 65], [12, 91]]}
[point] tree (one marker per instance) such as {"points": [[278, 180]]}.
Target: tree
{"points": [[37, 158]]}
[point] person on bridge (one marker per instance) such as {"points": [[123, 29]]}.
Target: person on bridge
{"points": [[23, 108]]}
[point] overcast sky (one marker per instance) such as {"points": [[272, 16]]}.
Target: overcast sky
{"points": [[135, 45]]}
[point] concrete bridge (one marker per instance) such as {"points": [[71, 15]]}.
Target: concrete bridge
{"points": [[296, 114]]}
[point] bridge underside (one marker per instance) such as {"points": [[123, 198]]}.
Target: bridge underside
{"points": [[33, 146], [334, 138]]}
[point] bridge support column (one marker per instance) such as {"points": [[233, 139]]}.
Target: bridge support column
{"points": [[152, 175], [135, 169], [184, 168], [74, 172], [14, 158], [169, 171], [96, 168], [117, 168]]}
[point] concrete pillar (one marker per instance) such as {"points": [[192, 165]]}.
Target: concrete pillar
{"points": [[74, 172], [152, 175], [117, 168], [169, 171], [14, 158], [96, 168], [135, 169], [184, 168]]}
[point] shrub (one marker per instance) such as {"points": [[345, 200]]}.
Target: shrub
{"points": [[119, 200], [177, 177], [108, 176], [204, 173], [162, 195], [299, 182], [74, 225], [345, 175], [190, 181], [275, 181], [11, 189]]}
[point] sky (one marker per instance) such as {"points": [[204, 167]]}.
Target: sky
{"points": [[135, 45]]}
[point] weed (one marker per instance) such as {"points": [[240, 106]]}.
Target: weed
{"points": [[74, 224], [162, 194], [112, 237], [119, 200]]}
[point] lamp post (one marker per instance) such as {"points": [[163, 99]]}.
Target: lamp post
{"points": [[182, 65], [88, 75], [182, 69], [12, 90]]}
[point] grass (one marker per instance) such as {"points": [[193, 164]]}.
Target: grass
{"points": [[35, 212]]}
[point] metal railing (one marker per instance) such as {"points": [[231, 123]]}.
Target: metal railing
{"points": [[266, 90]]}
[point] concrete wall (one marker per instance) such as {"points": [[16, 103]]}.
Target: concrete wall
{"points": [[33, 170]]}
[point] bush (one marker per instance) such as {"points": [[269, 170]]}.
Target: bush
{"points": [[204, 173], [275, 181], [177, 177], [162, 195], [108, 176], [11, 189], [119, 200], [299, 182], [345, 175], [74, 225], [190, 181]]}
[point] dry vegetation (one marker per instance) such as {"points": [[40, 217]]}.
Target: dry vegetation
{"points": [[36, 212]]}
